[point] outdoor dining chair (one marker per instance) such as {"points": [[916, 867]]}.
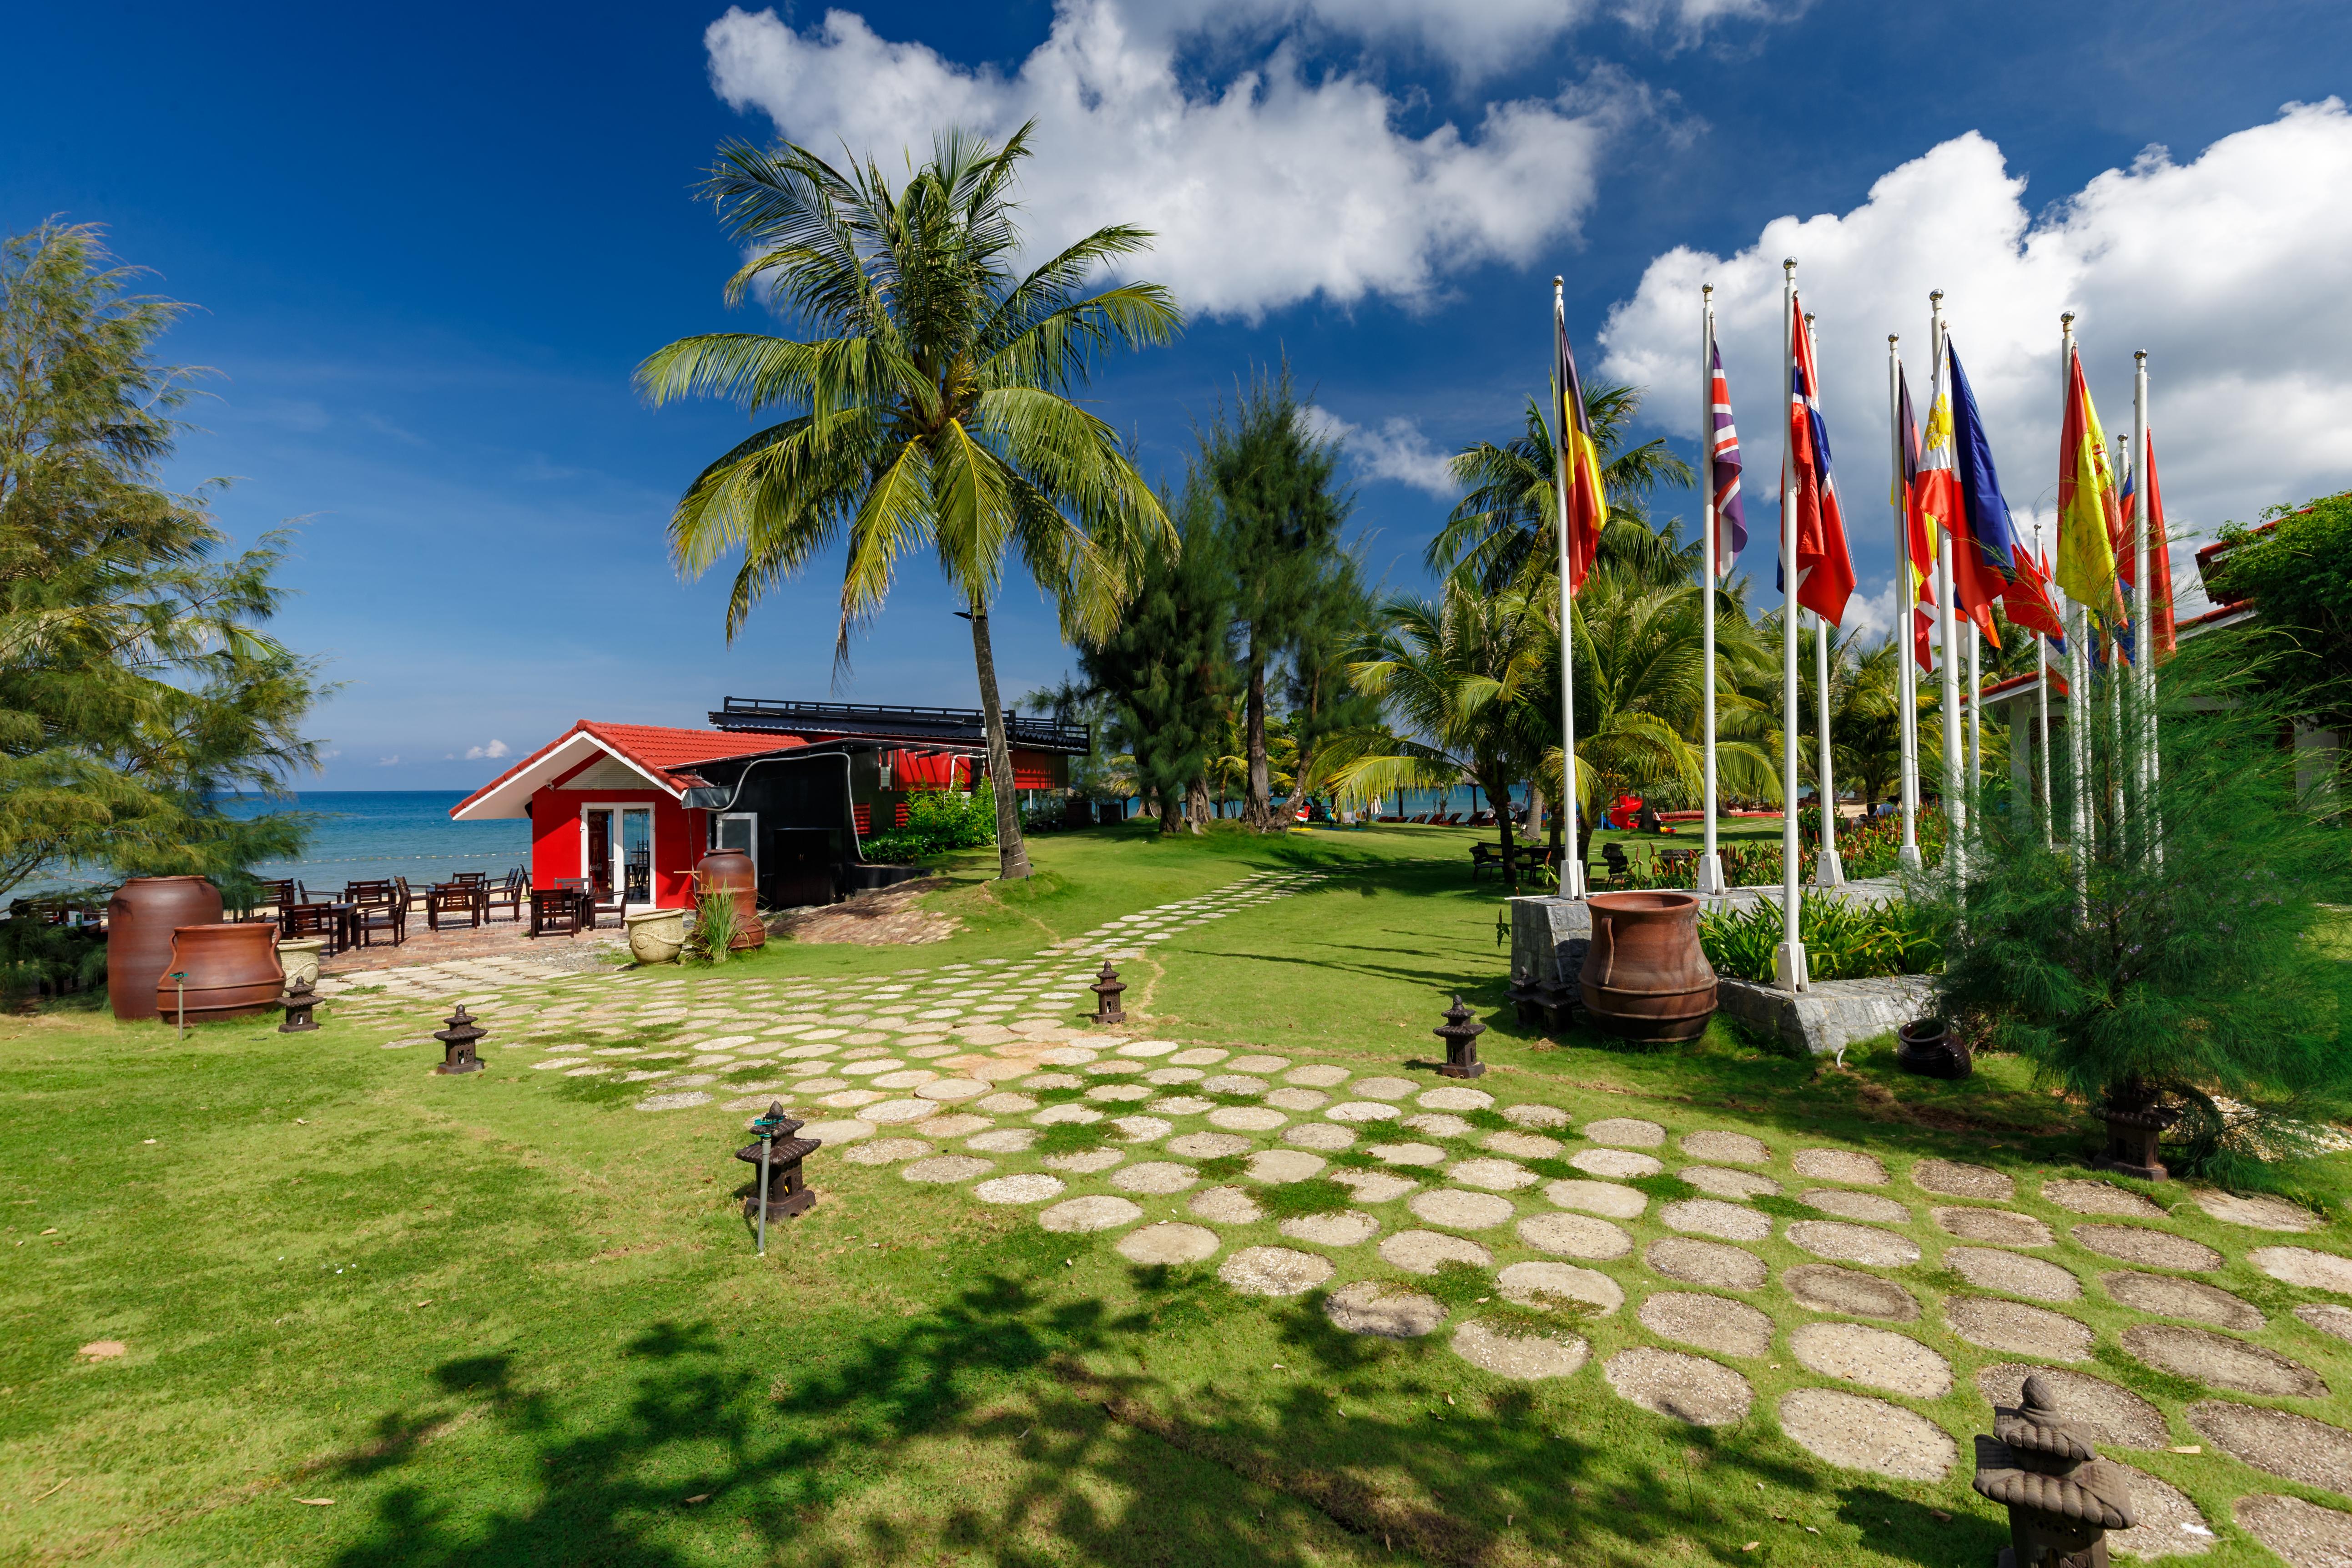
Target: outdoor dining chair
{"points": [[509, 895], [452, 903]]}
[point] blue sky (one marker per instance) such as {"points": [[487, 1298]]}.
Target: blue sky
{"points": [[430, 243]]}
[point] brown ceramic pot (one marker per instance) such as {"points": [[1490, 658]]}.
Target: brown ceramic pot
{"points": [[140, 919], [232, 968], [1645, 977], [1929, 1048], [731, 871]]}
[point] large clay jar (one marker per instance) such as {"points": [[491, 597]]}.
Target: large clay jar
{"points": [[140, 919], [731, 871], [1645, 977], [232, 973]]}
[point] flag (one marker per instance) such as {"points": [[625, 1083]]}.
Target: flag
{"points": [[1939, 498], [1991, 530], [1587, 507], [1919, 556], [1824, 570], [2159, 554], [1730, 512], [2026, 599], [2088, 510]]}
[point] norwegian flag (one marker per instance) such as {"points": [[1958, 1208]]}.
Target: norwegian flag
{"points": [[1730, 512], [1824, 569]]}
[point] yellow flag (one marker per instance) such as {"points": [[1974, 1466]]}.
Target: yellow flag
{"points": [[2087, 507]]}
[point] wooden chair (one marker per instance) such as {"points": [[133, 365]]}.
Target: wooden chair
{"points": [[299, 920], [385, 913], [453, 902], [556, 909], [277, 895], [509, 895], [1484, 858], [1612, 856]]}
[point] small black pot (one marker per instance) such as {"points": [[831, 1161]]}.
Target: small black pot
{"points": [[1928, 1047]]}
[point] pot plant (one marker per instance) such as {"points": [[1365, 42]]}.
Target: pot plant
{"points": [[656, 936], [2169, 960]]}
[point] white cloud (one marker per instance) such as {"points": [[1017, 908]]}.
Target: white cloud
{"points": [[1269, 187], [2222, 268], [387, 761], [1869, 615], [1397, 451], [494, 750]]}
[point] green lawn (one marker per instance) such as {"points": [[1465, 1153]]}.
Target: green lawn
{"points": [[511, 1318]]}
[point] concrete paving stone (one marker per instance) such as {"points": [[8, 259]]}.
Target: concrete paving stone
{"points": [[1868, 1207], [1317, 1075], [1281, 1165], [873, 1066], [1452, 1097], [2114, 1415], [1539, 1117], [2100, 1198], [1990, 1269], [1182, 1105], [881, 1151], [1574, 1236], [1143, 1050], [1408, 1154], [1825, 1288], [1427, 1251], [956, 1125], [1713, 1216], [1625, 1133], [1067, 1054], [1736, 1185], [2016, 1328], [2328, 1319], [1712, 1263], [1859, 1434], [2154, 1248], [1544, 1284], [1227, 1205], [1843, 1243], [1156, 1177], [951, 1090], [1207, 1145], [1374, 1186], [1848, 1165], [1523, 1146], [1371, 1307], [1169, 1243], [1614, 1163], [1005, 1104], [1089, 1214], [1437, 1124], [1198, 1057], [1491, 1175], [1141, 1129], [1999, 1226], [1233, 1083], [1347, 1228], [1385, 1088], [2224, 1363], [840, 1129], [1714, 1323], [1460, 1210], [1685, 1388], [1084, 1163], [1522, 1357], [1296, 1100], [1246, 1118], [1055, 1115], [2303, 1534], [2302, 1266], [2315, 1452], [1260, 1063], [1875, 1357], [1604, 1198], [1318, 1135], [948, 1168], [1054, 1081], [1004, 1141], [674, 1101], [1027, 1188], [2256, 1211], [2170, 1298], [1275, 1271], [1166, 1077], [1119, 1093]]}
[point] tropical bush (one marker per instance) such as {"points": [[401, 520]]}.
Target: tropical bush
{"points": [[938, 820], [717, 923], [1846, 939]]}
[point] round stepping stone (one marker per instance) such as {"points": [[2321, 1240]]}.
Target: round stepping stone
{"points": [[1867, 1206], [1198, 1057], [1207, 1145], [1408, 1154], [1005, 1104], [1687, 1387], [1523, 1145], [1432, 1125], [1554, 1284], [1272, 1166], [1990, 1270], [952, 1126], [1453, 1097], [1426, 1251], [913, 1078], [1246, 1118], [1823, 1287], [2099, 1197], [673, 1102], [1706, 1263], [1227, 1205], [1713, 1216], [841, 1130], [1318, 1135], [1084, 1163], [1462, 1211], [1858, 1434], [1625, 1133], [1144, 1050], [1182, 1105], [897, 1112], [1732, 1148], [1167, 1243], [1714, 1323], [2303, 1533], [2016, 1328], [1165, 1076], [1524, 1357], [1845, 1243], [1054, 1115], [1999, 1226], [1117, 1093], [849, 1099], [2173, 1297], [876, 1065], [1368, 1306], [2284, 1444], [2169, 1524], [1872, 1356], [1536, 1116], [1736, 1185], [1839, 1165], [1346, 1228], [2208, 1357], [1297, 1099], [1156, 1177], [1259, 1064], [2156, 1248], [1605, 1198], [2114, 1415], [1362, 1111], [885, 1151], [1372, 1187], [2301, 1266], [2328, 1319], [1615, 1164], [1384, 1087], [955, 1168], [1054, 1081], [1318, 1075], [1141, 1129], [1574, 1236], [2255, 1211], [1099, 1213], [1275, 1271], [1492, 1175], [1021, 1189], [1233, 1083]]}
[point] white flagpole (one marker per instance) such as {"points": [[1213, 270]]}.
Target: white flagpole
{"points": [[2078, 655], [1571, 859], [1955, 809], [1710, 861], [2042, 705], [1828, 870], [1788, 961], [2143, 605], [1904, 597], [1976, 714]]}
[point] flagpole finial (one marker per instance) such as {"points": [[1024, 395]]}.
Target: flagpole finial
{"points": [[2139, 356], [1934, 296], [1557, 279], [2066, 318], [1707, 290], [1788, 264], [1893, 338]]}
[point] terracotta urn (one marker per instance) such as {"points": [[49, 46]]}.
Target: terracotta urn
{"points": [[1645, 978], [1929, 1046], [656, 936], [731, 871], [300, 960], [140, 919], [232, 973]]}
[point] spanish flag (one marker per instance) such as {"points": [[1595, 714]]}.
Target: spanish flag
{"points": [[1584, 506], [2088, 514]]}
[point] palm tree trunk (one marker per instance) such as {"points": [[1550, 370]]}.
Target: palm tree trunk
{"points": [[1259, 810], [1011, 855]]}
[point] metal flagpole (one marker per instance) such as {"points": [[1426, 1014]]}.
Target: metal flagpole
{"points": [[1571, 862], [1788, 959], [1828, 871], [1976, 714], [2041, 706], [2078, 660], [1955, 809], [2143, 605], [1907, 746], [1710, 862]]}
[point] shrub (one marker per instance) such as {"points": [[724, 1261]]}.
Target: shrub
{"points": [[715, 925], [1846, 939], [938, 820]]}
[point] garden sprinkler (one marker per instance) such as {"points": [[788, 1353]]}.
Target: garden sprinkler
{"points": [[767, 1126], [179, 978]]}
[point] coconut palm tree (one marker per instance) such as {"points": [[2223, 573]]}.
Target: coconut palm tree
{"points": [[928, 407]]}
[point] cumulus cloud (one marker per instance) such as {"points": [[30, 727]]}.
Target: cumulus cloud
{"points": [[1270, 186], [2221, 268], [495, 749], [1397, 451]]}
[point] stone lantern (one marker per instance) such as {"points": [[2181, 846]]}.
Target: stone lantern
{"points": [[2062, 1497], [787, 1191], [1460, 1032], [457, 1043], [297, 1002], [1107, 986]]}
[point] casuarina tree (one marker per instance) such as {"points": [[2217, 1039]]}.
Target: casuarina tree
{"points": [[930, 406]]}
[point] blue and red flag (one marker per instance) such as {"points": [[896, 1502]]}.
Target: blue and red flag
{"points": [[1824, 569], [1586, 504], [1730, 512]]}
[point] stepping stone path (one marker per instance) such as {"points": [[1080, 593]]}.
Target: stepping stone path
{"points": [[1872, 1356], [1525, 1358], [2184, 1298], [1574, 1236], [2258, 1212], [2305, 1534], [1868, 1207], [1859, 1434], [1549, 1284], [1426, 1252], [2328, 1319], [2099, 1197], [1616, 1163], [1821, 1287], [2278, 1441], [1714, 1323], [1275, 1271], [1954, 1180], [1712, 1217], [2009, 1271], [1169, 1242], [1366, 1308], [1687, 1387], [1345, 1228], [1728, 1148], [1854, 1243], [2115, 1416], [2156, 1248], [2204, 1356], [1999, 1226], [2014, 1327], [1604, 1198], [2301, 1266], [1706, 1263], [1736, 1185], [1625, 1133], [1097, 1213], [1839, 1165], [1467, 1211]]}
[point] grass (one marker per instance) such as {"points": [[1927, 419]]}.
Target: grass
{"points": [[506, 1319]]}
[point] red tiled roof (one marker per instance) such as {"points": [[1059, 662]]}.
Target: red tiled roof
{"points": [[666, 756]]}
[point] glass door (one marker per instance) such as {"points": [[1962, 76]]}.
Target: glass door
{"points": [[597, 827], [637, 855]]}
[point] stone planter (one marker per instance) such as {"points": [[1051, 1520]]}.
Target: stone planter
{"points": [[656, 936], [1645, 977], [300, 960], [1928, 1047]]}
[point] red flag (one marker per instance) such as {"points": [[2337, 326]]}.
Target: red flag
{"points": [[2159, 553], [1824, 569], [1587, 505], [2027, 600]]}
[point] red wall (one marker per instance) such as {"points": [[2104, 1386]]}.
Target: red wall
{"points": [[1031, 770], [678, 839]]}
